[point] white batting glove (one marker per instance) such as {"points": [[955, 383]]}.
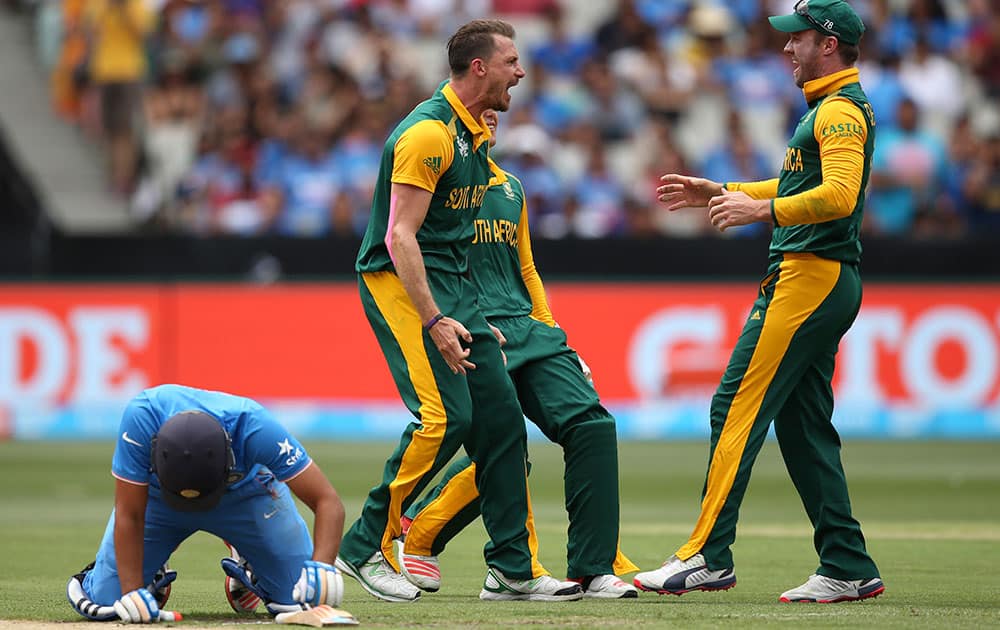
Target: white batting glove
{"points": [[586, 370], [319, 583], [139, 606]]}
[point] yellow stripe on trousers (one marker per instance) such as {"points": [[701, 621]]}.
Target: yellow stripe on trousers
{"points": [[459, 492], [399, 313], [804, 282]]}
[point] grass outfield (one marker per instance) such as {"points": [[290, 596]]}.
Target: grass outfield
{"points": [[930, 510]]}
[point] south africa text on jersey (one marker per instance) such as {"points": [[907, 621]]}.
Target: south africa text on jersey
{"points": [[466, 197], [793, 159], [495, 231]]}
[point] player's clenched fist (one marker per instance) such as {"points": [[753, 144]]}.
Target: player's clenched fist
{"points": [[139, 606], [319, 583]]}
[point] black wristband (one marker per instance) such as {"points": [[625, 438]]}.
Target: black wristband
{"points": [[430, 323]]}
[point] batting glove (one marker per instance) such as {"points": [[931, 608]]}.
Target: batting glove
{"points": [[139, 606], [319, 583]]}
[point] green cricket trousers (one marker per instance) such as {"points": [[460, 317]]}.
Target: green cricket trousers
{"points": [[478, 410], [781, 370], [556, 396]]}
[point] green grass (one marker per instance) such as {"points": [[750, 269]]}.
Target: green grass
{"points": [[930, 511]]}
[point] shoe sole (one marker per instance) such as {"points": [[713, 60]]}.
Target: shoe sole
{"points": [[625, 595], [837, 600], [347, 569], [415, 580], [722, 587], [520, 597]]}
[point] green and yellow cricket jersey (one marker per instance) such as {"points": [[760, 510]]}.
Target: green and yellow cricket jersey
{"points": [[818, 199], [441, 148], [503, 267]]}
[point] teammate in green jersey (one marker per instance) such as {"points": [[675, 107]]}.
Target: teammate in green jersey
{"points": [[782, 366], [444, 357], [555, 393]]}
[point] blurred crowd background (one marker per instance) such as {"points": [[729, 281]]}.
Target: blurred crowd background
{"points": [[253, 117]]}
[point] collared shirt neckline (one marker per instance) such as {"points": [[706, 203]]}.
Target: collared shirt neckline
{"points": [[480, 132], [823, 86]]}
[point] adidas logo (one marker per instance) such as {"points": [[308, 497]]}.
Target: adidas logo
{"points": [[755, 316], [433, 163]]}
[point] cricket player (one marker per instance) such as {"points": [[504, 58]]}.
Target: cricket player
{"points": [[783, 362], [443, 356], [189, 460], [555, 392]]}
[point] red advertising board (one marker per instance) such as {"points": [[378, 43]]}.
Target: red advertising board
{"points": [[912, 343]]}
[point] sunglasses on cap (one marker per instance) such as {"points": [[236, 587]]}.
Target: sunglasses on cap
{"points": [[802, 9]]}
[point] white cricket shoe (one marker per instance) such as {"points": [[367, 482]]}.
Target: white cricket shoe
{"points": [[678, 576], [381, 580], [826, 590], [424, 572], [546, 588], [608, 586]]}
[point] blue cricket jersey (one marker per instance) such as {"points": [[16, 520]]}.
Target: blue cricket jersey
{"points": [[258, 439]]}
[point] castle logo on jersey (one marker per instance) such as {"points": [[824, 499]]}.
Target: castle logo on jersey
{"points": [[433, 163], [843, 130]]}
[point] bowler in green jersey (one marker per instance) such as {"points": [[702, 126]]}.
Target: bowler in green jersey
{"points": [[443, 355], [782, 366]]}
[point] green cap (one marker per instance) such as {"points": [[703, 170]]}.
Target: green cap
{"points": [[830, 17]]}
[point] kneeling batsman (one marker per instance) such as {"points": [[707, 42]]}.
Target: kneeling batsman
{"points": [[190, 460]]}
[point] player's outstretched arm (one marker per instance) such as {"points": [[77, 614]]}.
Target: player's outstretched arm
{"points": [[683, 191]]}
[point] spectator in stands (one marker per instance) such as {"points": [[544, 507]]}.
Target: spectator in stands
{"points": [[306, 186], [219, 195], [908, 171], [526, 151], [561, 54], [174, 109], [664, 83], [737, 161], [70, 75], [608, 107], [982, 48], [599, 197], [883, 87], [640, 72], [191, 31], [933, 81], [359, 154], [117, 31], [624, 27], [660, 154], [982, 187]]}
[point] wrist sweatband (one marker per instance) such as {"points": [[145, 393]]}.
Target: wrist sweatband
{"points": [[430, 323]]}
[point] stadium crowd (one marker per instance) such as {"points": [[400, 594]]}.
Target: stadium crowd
{"points": [[249, 117]]}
